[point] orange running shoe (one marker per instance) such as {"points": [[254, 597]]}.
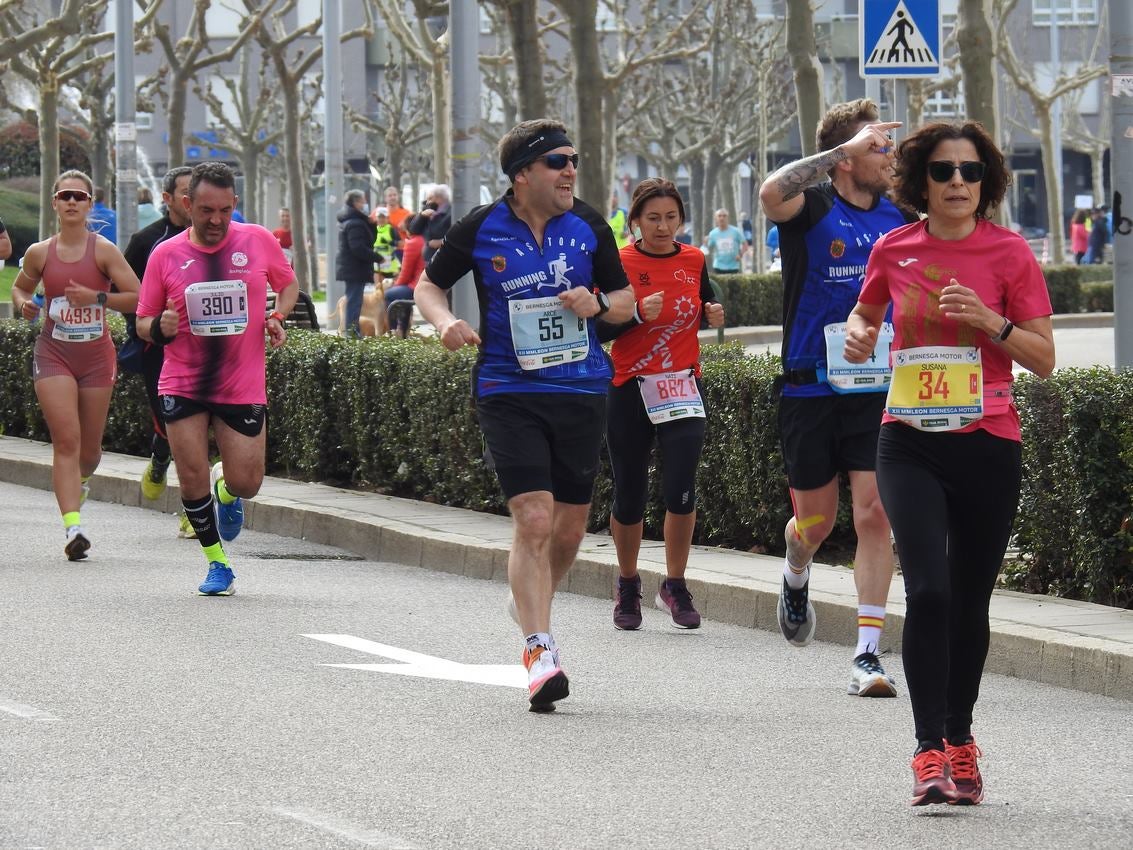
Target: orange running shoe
{"points": [[966, 773], [932, 778], [546, 681]]}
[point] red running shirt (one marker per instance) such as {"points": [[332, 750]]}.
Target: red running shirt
{"points": [[669, 343]]}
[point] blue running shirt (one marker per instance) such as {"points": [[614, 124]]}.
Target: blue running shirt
{"points": [[498, 248], [824, 249]]}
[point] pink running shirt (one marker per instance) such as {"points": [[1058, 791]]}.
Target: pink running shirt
{"points": [[224, 369], [909, 267]]}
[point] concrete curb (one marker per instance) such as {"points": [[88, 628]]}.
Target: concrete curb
{"points": [[1071, 644]]}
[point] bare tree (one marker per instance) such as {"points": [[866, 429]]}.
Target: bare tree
{"points": [[527, 52], [245, 125], [187, 56], [22, 30], [403, 122], [1042, 101], [976, 42], [291, 62], [803, 50], [49, 65]]}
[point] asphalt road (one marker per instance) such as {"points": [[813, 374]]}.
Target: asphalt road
{"points": [[135, 714]]}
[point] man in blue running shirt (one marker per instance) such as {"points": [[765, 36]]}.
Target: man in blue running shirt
{"points": [[828, 426], [726, 245], [545, 267]]}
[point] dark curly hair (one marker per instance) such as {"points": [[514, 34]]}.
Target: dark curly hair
{"points": [[654, 187], [216, 174], [913, 157]]}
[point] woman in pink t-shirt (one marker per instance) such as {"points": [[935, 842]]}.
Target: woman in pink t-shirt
{"points": [[74, 360], [968, 299], [1079, 236]]}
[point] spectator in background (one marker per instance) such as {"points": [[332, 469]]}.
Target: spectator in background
{"points": [[1079, 238], [1099, 237], [147, 212], [412, 265], [385, 242], [726, 245], [773, 243], [397, 213], [685, 236], [283, 232], [440, 220], [354, 265], [5, 242], [102, 219], [619, 221], [748, 230]]}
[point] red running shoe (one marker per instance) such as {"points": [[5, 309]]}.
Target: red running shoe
{"points": [[932, 778], [966, 773]]}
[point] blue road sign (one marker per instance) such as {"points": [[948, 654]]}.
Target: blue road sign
{"points": [[900, 38]]}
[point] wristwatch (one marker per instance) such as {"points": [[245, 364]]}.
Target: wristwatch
{"points": [[603, 303], [101, 299]]}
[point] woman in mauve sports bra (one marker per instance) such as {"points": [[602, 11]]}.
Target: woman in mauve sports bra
{"points": [[74, 362]]}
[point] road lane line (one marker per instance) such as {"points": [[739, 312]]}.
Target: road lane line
{"points": [[394, 653], [349, 831], [25, 712]]}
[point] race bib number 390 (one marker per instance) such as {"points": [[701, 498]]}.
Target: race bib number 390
{"points": [[545, 333], [936, 388], [217, 307]]}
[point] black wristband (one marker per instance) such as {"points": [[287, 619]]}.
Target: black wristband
{"points": [[156, 334]]}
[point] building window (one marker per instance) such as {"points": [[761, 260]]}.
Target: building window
{"points": [[1070, 12], [945, 104]]}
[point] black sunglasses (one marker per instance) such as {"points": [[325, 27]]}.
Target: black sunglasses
{"points": [[558, 161], [72, 195], [970, 172]]}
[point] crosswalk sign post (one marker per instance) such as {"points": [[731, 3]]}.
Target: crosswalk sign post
{"points": [[900, 39]]}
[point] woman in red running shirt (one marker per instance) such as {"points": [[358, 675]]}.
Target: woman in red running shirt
{"points": [[74, 361], [655, 394], [968, 299]]}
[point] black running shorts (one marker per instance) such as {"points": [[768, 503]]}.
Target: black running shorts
{"points": [[543, 441], [246, 419], [825, 435]]}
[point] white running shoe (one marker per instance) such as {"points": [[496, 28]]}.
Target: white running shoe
{"points": [[868, 678], [77, 543], [546, 681]]}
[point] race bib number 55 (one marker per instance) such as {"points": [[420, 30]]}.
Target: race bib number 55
{"points": [[217, 307], [545, 333], [936, 388]]}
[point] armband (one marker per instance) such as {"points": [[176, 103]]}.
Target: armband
{"points": [[156, 334]]}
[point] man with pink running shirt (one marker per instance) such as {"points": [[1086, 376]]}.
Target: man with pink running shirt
{"points": [[204, 297]]}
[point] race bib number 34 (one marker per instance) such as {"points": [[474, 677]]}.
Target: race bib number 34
{"points": [[217, 307], [936, 388], [545, 333]]}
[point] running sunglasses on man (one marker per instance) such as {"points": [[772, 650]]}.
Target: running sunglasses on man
{"points": [[558, 161]]}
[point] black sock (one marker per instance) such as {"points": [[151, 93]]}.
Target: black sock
{"points": [[201, 517], [925, 746]]}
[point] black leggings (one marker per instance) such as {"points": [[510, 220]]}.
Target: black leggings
{"points": [[951, 500], [629, 437]]}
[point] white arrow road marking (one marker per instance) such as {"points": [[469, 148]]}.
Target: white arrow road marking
{"points": [[26, 712], [426, 666]]}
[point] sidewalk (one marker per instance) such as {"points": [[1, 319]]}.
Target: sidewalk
{"points": [[1071, 644]]}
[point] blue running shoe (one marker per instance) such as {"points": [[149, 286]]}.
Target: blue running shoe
{"points": [[229, 518], [220, 581]]}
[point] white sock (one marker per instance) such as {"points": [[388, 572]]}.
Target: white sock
{"points": [[796, 578], [542, 639], [871, 619]]}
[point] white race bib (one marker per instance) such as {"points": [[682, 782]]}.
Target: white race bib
{"points": [[217, 307], [845, 377], [937, 387], [75, 324], [545, 333], [670, 396]]}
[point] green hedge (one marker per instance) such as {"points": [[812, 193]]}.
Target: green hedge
{"points": [[758, 299], [396, 417], [20, 212]]}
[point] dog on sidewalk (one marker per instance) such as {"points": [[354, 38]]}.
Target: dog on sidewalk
{"points": [[371, 321]]}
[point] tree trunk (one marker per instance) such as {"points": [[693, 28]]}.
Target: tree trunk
{"points": [[296, 183], [48, 151], [100, 171], [523, 25], [442, 123], [696, 181], [252, 202], [593, 176], [807, 71], [1052, 177], [976, 42], [178, 88]]}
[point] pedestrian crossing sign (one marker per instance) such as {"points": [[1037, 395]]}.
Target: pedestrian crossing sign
{"points": [[900, 38]]}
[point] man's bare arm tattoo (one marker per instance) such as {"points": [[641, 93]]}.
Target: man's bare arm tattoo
{"points": [[794, 178]]}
